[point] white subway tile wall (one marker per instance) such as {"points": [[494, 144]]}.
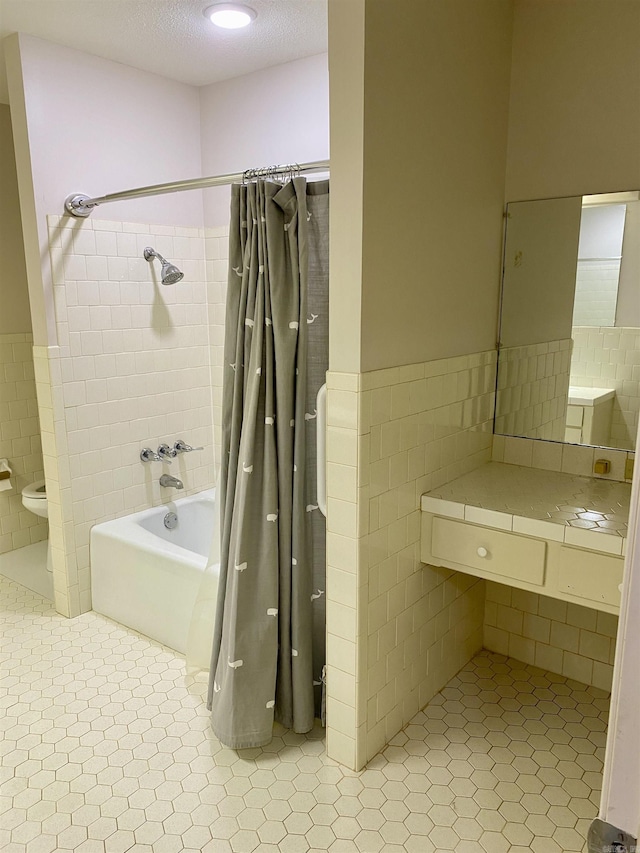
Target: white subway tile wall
{"points": [[557, 636], [596, 292], [19, 442], [397, 630], [533, 388], [131, 369], [559, 456], [217, 258], [609, 357]]}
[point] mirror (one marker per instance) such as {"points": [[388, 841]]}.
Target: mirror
{"points": [[569, 351]]}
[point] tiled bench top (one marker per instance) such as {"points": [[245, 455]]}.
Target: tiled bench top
{"points": [[550, 505]]}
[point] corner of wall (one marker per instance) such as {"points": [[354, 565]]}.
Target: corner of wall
{"points": [[42, 320], [397, 629]]}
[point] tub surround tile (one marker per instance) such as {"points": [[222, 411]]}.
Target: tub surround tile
{"points": [[133, 368], [216, 245]]}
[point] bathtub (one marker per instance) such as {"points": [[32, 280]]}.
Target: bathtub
{"points": [[146, 576]]}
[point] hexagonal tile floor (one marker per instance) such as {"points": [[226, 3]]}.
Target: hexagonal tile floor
{"points": [[105, 751]]}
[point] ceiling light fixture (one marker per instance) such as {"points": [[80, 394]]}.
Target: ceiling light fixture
{"points": [[230, 16]]}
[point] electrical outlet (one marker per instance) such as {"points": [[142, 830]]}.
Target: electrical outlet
{"points": [[628, 469]]}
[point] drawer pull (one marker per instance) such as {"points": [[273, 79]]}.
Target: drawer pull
{"points": [[482, 552]]}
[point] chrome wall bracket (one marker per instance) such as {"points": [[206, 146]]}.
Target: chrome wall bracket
{"points": [[75, 205]]}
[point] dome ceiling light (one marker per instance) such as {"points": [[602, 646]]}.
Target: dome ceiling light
{"points": [[230, 16]]}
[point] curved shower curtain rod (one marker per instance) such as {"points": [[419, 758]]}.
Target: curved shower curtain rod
{"points": [[80, 205]]}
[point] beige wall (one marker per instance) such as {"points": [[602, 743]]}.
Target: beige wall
{"points": [[574, 114], [88, 125], [346, 111], [14, 295], [436, 91], [415, 272], [242, 125]]}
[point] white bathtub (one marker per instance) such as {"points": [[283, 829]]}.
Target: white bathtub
{"points": [[146, 576]]}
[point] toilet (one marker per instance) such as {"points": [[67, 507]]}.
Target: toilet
{"points": [[34, 498]]}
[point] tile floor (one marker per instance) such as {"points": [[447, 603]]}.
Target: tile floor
{"points": [[28, 567], [104, 751]]}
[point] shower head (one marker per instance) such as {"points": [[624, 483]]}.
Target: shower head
{"points": [[170, 273]]}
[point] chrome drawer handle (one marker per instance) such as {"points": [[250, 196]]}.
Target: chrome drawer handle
{"points": [[482, 552]]}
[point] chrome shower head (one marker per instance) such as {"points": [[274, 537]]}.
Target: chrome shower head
{"points": [[170, 273]]}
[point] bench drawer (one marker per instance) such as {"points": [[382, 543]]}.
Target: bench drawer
{"points": [[595, 577], [502, 554]]}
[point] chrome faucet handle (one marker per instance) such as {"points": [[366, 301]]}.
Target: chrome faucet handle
{"points": [[149, 455], [182, 447], [166, 453]]}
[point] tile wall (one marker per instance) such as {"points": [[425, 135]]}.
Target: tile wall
{"points": [[19, 441], [53, 433], [131, 370], [557, 636], [558, 456], [609, 357], [561, 637], [596, 292], [217, 257], [533, 387], [397, 630]]}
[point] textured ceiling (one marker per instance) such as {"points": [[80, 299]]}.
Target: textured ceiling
{"points": [[171, 37]]}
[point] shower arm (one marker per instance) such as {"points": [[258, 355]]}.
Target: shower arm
{"points": [[80, 205]]}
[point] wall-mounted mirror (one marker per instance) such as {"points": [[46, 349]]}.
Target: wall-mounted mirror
{"points": [[569, 359]]}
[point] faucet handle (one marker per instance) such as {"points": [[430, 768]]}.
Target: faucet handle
{"points": [[166, 453], [149, 455], [182, 447]]}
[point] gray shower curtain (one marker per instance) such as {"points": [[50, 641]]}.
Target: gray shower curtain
{"points": [[265, 663]]}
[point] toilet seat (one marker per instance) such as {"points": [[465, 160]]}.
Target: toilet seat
{"points": [[36, 491], [34, 498]]}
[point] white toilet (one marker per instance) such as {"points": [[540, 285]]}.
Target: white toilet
{"points": [[34, 498]]}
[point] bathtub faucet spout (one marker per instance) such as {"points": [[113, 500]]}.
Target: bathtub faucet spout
{"points": [[170, 482]]}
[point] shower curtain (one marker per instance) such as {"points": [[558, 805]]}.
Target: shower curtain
{"points": [[268, 646]]}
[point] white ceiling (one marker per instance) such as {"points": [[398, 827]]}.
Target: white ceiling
{"points": [[171, 37]]}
